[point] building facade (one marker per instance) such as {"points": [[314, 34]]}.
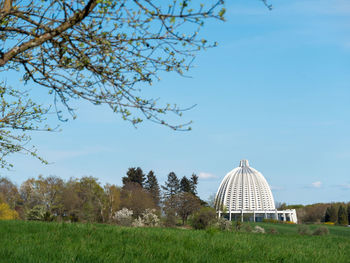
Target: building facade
{"points": [[244, 194]]}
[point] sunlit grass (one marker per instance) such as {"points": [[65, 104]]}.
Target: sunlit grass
{"points": [[22, 241]]}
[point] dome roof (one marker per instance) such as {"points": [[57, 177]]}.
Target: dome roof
{"points": [[244, 188]]}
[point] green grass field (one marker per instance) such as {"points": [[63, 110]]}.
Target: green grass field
{"points": [[22, 241]]}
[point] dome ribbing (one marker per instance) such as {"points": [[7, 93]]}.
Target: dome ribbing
{"points": [[244, 188]]}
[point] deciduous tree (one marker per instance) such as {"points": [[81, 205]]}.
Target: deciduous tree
{"points": [[137, 199], [101, 51], [9, 192], [186, 205]]}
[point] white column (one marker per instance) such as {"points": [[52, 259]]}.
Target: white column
{"points": [[284, 216], [242, 216], [230, 215]]}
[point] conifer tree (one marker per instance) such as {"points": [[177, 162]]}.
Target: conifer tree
{"points": [[348, 213], [194, 182], [333, 214], [134, 175], [172, 185], [185, 185], [342, 216], [152, 186], [327, 215], [171, 189]]}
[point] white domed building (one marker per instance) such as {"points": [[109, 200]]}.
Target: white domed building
{"points": [[245, 194]]}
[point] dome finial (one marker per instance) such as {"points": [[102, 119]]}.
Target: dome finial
{"points": [[244, 163]]}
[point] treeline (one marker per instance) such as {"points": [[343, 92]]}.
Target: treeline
{"points": [[86, 200], [337, 213]]}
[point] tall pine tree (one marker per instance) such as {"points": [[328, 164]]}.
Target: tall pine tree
{"points": [[327, 216], [194, 182], [172, 185], [152, 186], [342, 216], [185, 185], [333, 213], [134, 175]]}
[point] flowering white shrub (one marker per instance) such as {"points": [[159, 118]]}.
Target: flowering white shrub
{"points": [[224, 224], [150, 218], [123, 217], [138, 222], [258, 229]]}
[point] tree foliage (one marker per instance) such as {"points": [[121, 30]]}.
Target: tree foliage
{"points": [[152, 186], [86, 200], [6, 213], [101, 51], [9, 193], [193, 184], [134, 176], [342, 216], [104, 51], [185, 185], [172, 185], [18, 115], [186, 205]]}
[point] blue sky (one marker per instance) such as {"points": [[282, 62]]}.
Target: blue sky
{"points": [[275, 91]]}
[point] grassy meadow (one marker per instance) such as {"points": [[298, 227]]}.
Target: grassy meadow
{"points": [[23, 241]]}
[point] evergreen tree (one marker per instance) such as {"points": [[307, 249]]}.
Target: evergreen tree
{"points": [[134, 175], [172, 185], [348, 213], [333, 213], [185, 185], [342, 216], [152, 186], [171, 189], [194, 182], [327, 216]]}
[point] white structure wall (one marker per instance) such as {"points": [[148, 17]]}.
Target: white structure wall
{"points": [[244, 190]]}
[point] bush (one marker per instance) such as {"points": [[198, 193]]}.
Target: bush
{"points": [[258, 229], [303, 230], [123, 217], [6, 213], [321, 231], [138, 222], [150, 218], [203, 218], [224, 224], [37, 213]]}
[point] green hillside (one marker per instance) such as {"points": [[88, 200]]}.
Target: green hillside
{"points": [[22, 241]]}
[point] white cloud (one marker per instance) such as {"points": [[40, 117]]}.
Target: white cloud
{"points": [[316, 184], [203, 175]]}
